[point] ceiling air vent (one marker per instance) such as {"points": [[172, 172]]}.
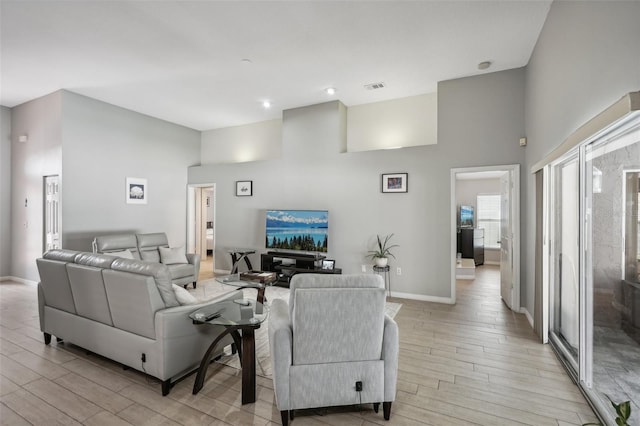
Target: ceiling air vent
{"points": [[375, 86]]}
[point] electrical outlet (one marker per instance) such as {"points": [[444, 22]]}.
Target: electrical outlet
{"points": [[364, 268], [143, 358], [358, 386], [399, 270]]}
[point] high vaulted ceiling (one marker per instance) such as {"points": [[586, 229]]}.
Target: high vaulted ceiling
{"points": [[211, 64]]}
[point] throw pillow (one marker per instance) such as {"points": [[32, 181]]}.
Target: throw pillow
{"points": [[183, 296], [170, 256], [125, 254]]}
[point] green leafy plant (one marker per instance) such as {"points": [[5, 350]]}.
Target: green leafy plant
{"points": [[384, 249], [623, 410]]}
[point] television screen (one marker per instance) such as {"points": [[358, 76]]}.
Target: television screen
{"points": [[300, 230], [466, 216]]}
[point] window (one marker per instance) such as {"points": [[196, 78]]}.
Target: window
{"points": [[489, 219]]}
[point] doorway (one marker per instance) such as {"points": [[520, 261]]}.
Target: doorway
{"points": [[201, 203], [51, 228], [495, 207]]}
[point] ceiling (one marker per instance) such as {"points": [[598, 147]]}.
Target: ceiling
{"points": [[211, 64]]}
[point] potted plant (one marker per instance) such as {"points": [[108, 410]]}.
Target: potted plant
{"points": [[382, 253]]}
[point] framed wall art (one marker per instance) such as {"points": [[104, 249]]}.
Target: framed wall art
{"points": [[244, 188], [136, 191], [395, 182]]}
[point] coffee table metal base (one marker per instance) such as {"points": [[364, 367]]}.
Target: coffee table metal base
{"points": [[246, 345]]}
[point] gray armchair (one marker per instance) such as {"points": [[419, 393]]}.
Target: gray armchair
{"points": [[331, 340]]}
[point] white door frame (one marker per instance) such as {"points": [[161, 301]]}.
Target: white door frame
{"points": [[515, 208], [195, 222]]}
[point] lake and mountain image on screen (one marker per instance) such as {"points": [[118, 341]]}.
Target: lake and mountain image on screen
{"points": [[303, 230]]}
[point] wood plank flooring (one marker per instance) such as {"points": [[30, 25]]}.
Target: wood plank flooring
{"points": [[473, 363]]}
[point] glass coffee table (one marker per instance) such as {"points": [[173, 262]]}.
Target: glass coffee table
{"points": [[252, 279], [244, 315]]}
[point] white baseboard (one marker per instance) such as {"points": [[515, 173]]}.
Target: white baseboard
{"points": [[18, 280], [422, 297], [465, 277], [528, 315], [491, 262]]}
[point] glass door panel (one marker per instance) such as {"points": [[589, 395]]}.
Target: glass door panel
{"points": [[566, 260], [612, 174]]}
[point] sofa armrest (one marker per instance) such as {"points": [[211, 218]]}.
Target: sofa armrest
{"points": [[194, 259], [280, 344], [390, 349], [182, 342]]}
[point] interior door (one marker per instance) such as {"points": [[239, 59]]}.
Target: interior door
{"points": [[506, 240], [51, 212]]}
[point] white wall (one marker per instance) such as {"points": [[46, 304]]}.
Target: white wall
{"points": [[480, 121], [252, 142], [102, 146], [405, 122], [587, 57], [5, 192], [40, 156]]}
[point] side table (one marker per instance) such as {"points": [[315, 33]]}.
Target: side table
{"points": [[386, 274], [236, 316], [237, 254]]}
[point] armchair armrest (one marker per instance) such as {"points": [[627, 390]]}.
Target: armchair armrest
{"points": [[280, 344], [390, 349], [194, 259]]}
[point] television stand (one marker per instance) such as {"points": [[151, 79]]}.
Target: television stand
{"points": [[287, 264]]}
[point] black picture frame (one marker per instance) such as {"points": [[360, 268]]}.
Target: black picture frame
{"points": [[395, 182], [244, 188]]}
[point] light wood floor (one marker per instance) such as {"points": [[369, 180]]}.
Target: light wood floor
{"points": [[472, 363]]}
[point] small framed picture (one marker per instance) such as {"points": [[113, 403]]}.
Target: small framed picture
{"points": [[328, 264], [395, 182], [136, 191], [244, 188]]}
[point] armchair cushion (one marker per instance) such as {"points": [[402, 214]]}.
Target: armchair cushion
{"points": [[357, 312]]}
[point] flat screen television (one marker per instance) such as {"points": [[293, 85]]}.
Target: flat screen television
{"points": [[466, 216], [297, 230]]}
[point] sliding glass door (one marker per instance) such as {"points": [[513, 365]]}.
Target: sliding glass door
{"points": [[565, 258], [594, 265]]}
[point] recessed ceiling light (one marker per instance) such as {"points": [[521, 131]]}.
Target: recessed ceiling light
{"points": [[484, 65], [266, 104], [245, 61], [330, 90]]}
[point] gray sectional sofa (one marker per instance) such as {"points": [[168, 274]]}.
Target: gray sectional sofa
{"points": [[184, 268], [123, 309]]}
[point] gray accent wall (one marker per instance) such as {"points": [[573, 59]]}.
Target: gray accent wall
{"points": [[94, 147], [480, 121], [586, 58], [5, 192], [40, 120], [102, 146]]}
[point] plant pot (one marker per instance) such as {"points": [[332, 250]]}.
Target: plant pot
{"points": [[381, 261]]}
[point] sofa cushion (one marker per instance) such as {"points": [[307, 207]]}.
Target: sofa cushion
{"points": [[183, 296], [172, 256], [134, 300], [125, 254], [159, 271], [148, 245], [55, 279], [116, 243], [89, 295]]}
